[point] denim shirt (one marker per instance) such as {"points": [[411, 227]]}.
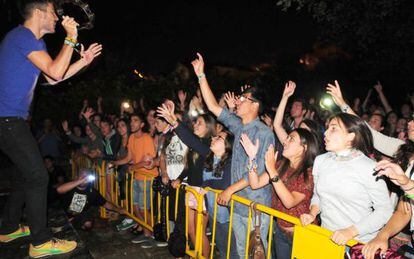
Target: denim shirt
{"points": [[254, 130], [223, 215]]}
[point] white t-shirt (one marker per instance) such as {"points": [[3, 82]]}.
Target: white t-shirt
{"points": [[175, 154]]}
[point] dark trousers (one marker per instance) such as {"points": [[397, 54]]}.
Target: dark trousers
{"points": [[29, 185], [281, 244]]}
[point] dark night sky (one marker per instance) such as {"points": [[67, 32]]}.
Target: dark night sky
{"points": [[155, 35]]}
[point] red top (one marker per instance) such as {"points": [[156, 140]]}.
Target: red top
{"points": [[297, 184]]}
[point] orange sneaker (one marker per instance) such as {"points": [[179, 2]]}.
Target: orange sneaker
{"points": [[52, 247], [21, 232]]}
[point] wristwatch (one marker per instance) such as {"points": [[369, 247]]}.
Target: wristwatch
{"points": [[274, 179]]}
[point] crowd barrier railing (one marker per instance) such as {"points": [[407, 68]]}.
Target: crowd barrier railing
{"points": [[309, 242]]}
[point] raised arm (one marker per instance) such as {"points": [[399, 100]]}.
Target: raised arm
{"points": [[335, 91], [182, 131], [208, 96], [57, 68], [64, 188], [365, 103], [280, 112], [255, 181], [87, 57], [384, 101]]}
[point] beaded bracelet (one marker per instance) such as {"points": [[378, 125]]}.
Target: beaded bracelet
{"points": [[252, 165]]}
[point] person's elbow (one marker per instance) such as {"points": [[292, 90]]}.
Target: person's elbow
{"points": [[215, 109], [55, 77], [289, 205], [60, 190], [254, 186]]}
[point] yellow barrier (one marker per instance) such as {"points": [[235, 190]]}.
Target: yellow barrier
{"points": [[309, 242]]}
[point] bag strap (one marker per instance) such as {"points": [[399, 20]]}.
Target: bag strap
{"points": [[256, 215]]}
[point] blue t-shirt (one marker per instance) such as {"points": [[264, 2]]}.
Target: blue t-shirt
{"points": [[18, 75]]}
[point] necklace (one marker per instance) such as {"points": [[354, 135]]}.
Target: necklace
{"points": [[346, 155]]}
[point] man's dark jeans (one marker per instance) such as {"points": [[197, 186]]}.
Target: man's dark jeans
{"points": [[29, 185]]}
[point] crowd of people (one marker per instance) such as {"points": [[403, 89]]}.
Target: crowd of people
{"points": [[349, 171], [344, 172]]}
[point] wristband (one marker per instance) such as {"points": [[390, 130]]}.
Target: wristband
{"points": [[252, 165], [71, 43], [73, 40], [201, 76], [409, 196], [345, 108]]}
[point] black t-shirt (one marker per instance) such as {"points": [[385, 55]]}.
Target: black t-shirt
{"points": [[77, 201]]}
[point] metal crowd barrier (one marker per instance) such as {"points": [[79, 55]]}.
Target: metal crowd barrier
{"points": [[309, 242]]}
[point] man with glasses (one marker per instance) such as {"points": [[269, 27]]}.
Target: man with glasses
{"points": [[23, 56], [246, 120]]}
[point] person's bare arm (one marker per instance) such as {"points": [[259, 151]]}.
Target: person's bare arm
{"points": [[208, 96], [278, 121], [56, 68], [87, 57], [384, 101]]}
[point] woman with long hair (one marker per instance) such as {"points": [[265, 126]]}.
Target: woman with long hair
{"points": [[291, 178], [199, 143], [350, 199], [402, 154]]}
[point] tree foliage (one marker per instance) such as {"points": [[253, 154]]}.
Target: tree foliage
{"points": [[378, 34]]}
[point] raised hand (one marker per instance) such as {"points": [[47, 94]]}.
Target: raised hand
{"points": [[85, 103], [88, 113], [164, 112], [290, 87], [170, 106], [182, 96], [91, 53], [357, 102], [70, 26], [378, 87], [250, 148], [244, 88], [270, 161], [335, 92], [65, 126], [230, 100], [198, 65]]}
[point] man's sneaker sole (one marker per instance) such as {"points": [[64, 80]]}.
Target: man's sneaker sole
{"points": [[49, 254], [139, 241], [41, 252], [161, 244], [148, 245]]}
